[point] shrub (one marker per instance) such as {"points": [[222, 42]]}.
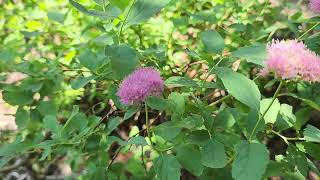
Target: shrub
{"points": [[178, 89]]}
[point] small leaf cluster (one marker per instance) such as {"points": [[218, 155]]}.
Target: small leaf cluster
{"points": [[216, 119]]}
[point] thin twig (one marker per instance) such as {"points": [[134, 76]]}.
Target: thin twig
{"points": [[114, 157], [120, 148], [93, 107], [286, 139], [220, 100], [267, 109], [142, 159], [147, 122], [14, 166], [125, 19], [230, 160], [106, 116], [300, 37], [187, 66]]}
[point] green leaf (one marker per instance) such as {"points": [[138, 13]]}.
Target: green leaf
{"points": [[277, 168], [120, 4], [136, 170], [99, 14], [250, 162], [157, 103], [198, 137], [224, 119], [306, 101], [176, 81], [311, 104], [228, 140], [216, 174], [298, 159], [177, 103], [99, 2], [270, 83], [139, 140], [106, 144], [78, 6], [51, 123], [70, 123], [312, 149], [45, 153], [213, 154], [76, 123], [313, 167], [112, 94], [191, 122], [240, 87], [14, 148], [18, 97], [190, 159], [286, 118], [22, 118], [302, 117], [88, 59], [113, 124], [294, 176], [143, 10], [56, 16], [312, 134], [7, 150], [28, 34], [273, 112], [123, 58], [213, 42], [47, 108], [80, 82], [132, 110], [255, 54], [103, 40], [212, 85], [8, 55], [167, 167], [167, 130], [250, 122]]}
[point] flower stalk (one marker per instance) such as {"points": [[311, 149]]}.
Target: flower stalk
{"points": [[266, 110]]}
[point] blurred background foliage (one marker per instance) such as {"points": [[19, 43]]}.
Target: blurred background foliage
{"points": [[56, 32], [62, 51]]}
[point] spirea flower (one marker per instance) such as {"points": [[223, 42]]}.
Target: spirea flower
{"points": [[139, 85], [315, 5], [291, 59]]}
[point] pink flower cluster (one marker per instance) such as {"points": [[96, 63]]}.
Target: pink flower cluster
{"points": [[315, 5], [291, 59], [139, 85]]}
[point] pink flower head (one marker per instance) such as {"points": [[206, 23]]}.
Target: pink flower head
{"points": [[292, 59], [139, 85], [315, 5]]}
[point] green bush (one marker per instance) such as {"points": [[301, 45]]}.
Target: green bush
{"points": [[217, 118]]}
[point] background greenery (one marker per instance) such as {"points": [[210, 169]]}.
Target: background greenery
{"points": [[75, 53]]}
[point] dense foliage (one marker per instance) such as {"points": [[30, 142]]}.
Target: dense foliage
{"points": [[217, 116]]}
